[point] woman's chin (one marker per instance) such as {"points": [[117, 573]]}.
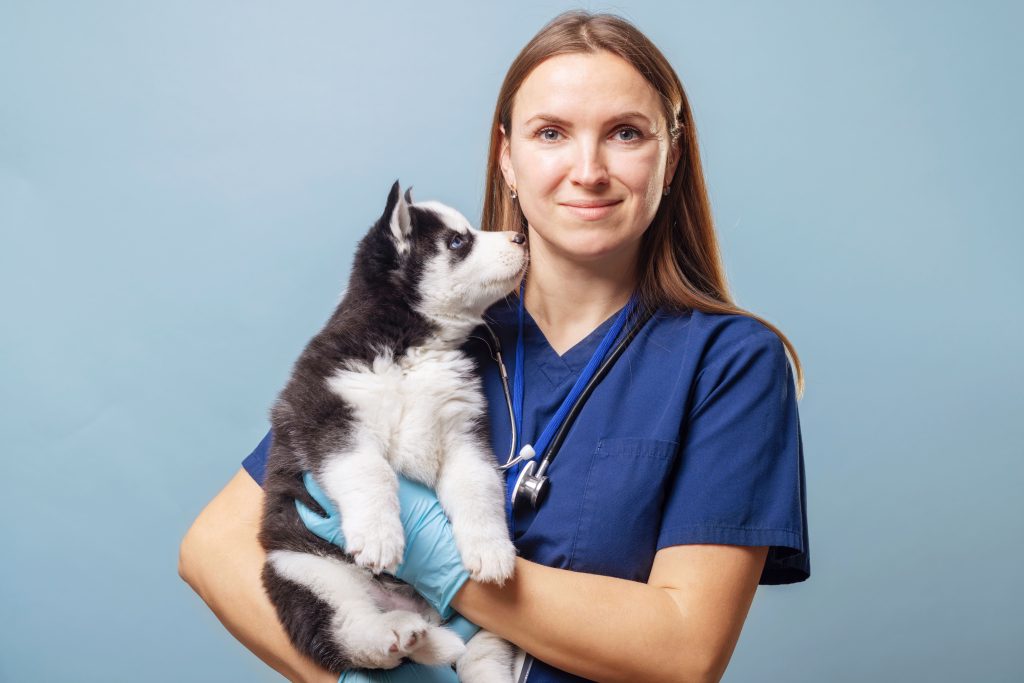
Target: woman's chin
{"points": [[587, 243], [593, 251]]}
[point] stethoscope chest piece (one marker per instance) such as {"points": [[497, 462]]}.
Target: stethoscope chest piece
{"points": [[531, 488]]}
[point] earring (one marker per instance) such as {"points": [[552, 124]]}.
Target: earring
{"points": [[666, 191], [514, 195]]}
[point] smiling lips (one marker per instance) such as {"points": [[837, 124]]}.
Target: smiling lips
{"points": [[592, 209]]}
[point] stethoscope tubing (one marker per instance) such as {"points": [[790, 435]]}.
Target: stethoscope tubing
{"points": [[559, 436], [510, 460], [577, 406]]}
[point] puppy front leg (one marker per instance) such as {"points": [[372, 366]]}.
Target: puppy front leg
{"points": [[471, 493], [363, 486]]}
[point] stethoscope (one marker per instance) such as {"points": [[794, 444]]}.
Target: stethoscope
{"points": [[533, 484]]}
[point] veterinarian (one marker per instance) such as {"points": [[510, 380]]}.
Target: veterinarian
{"points": [[680, 486]]}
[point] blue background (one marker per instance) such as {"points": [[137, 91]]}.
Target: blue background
{"points": [[182, 186]]}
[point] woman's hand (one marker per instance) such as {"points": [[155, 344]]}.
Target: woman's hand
{"points": [[409, 672], [431, 563]]}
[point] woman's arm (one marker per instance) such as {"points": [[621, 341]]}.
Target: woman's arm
{"points": [[221, 559], [680, 626]]}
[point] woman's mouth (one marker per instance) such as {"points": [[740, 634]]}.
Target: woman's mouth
{"points": [[592, 210]]}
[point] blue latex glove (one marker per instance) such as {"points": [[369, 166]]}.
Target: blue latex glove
{"points": [[431, 563], [411, 672]]}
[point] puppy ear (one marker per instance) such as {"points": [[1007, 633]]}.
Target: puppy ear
{"points": [[397, 219], [408, 195]]}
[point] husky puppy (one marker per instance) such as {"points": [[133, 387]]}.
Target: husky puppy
{"points": [[382, 389]]}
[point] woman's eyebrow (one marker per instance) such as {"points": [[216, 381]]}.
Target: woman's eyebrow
{"points": [[562, 122]]}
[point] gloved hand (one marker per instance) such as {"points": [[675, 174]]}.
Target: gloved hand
{"points": [[411, 672], [431, 563]]}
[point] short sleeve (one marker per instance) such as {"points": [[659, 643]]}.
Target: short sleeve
{"points": [[739, 477], [256, 462]]}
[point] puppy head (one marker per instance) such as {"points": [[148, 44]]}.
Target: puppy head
{"points": [[447, 269]]}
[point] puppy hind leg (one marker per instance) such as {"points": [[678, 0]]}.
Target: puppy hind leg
{"points": [[306, 619], [364, 637]]}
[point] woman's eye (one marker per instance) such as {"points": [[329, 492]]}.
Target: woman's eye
{"points": [[456, 242], [542, 131], [629, 129]]}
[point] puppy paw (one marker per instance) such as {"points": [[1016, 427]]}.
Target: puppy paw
{"points": [[489, 560], [384, 641], [489, 660], [439, 646], [409, 631], [378, 545]]}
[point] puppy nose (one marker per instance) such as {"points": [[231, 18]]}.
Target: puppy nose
{"points": [[518, 238]]}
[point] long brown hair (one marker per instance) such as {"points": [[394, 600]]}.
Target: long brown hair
{"points": [[680, 264]]}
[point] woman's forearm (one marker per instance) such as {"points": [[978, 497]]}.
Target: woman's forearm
{"points": [[598, 627], [221, 558]]}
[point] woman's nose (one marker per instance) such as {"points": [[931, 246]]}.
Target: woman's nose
{"points": [[589, 167]]}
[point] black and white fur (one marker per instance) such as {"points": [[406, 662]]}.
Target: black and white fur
{"points": [[382, 389]]}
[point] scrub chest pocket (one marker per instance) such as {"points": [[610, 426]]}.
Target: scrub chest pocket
{"points": [[621, 505]]}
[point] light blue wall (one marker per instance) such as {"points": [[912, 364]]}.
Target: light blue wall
{"points": [[182, 185]]}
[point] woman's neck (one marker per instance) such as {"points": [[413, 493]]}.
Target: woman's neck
{"points": [[568, 299]]}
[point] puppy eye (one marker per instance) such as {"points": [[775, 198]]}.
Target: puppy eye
{"points": [[456, 242]]}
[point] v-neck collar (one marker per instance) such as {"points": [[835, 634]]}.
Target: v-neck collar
{"points": [[576, 356], [559, 369]]}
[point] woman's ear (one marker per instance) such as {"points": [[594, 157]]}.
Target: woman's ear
{"points": [[674, 154], [505, 158]]}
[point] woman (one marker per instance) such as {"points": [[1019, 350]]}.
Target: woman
{"points": [[680, 488]]}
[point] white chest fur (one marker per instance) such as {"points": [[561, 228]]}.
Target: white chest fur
{"points": [[411, 404]]}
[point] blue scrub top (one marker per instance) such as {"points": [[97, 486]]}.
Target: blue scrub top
{"points": [[693, 436]]}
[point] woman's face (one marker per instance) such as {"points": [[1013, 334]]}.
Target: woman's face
{"points": [[587, 129]]}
